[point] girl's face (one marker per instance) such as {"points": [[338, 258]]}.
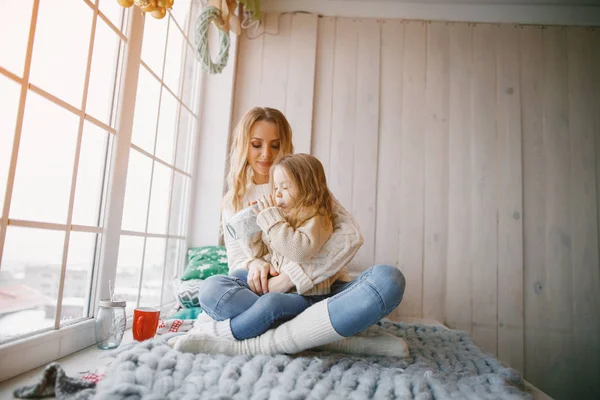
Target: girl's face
{"points": [[284, 187], [263, 149]]}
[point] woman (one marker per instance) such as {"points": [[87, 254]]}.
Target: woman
{"points": [[262, 137]]}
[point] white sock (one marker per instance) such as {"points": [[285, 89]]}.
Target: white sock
{"points": [[202, 318], [211, 327], [373, 330], [309, 329], [383, 344], [203, 343]]}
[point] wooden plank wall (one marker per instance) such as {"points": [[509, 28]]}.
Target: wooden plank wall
{"points": [[468, 153]]}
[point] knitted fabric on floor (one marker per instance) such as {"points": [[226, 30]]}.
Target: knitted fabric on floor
{"points": [[55, 382], [443, 364]]}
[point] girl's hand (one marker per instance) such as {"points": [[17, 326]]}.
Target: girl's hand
{"points": [[258, 276], [266, 202], [281, 284]]}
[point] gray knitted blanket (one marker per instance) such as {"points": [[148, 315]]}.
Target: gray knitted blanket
{"points": [[443, 364]]}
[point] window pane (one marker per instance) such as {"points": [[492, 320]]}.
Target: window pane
{"points": [[90, 175], [80, 264], [181, 12], [14, 20], [175, 258], [159, 202], [194, 103], [179, 204], [146, 111], [153, 271], [191, 82], [61, 47], [153, 46], [166, 127], [187, 126], [129, 266], [9, 105], [45, 164], [112, 10], [103, 72], [174, 62], [29, 280], [137, 192]]}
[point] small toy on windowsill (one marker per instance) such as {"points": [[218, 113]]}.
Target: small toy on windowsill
{"points": [[156, 8]]}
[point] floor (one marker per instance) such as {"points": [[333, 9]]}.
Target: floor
{"points": [[90, 359]]}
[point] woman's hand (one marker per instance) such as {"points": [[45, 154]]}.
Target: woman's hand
{"points": [[281, 283], [258, 275]]}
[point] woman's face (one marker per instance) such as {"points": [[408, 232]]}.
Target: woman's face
{"points": [[263, 149]]}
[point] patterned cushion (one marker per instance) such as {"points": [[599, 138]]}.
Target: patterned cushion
{"points": [[188, 293], [204, 262]]}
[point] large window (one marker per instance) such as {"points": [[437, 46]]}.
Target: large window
{"points": [[153, 240], [60, 78], [58, 83]]}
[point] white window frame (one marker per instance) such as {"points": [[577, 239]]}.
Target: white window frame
{"points": [[26, 86], [36, 350], [183, 99]]}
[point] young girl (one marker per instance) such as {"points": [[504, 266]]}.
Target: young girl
{"points": [[296, 221]]}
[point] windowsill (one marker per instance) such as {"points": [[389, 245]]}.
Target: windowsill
{"points": [[74, 365]]}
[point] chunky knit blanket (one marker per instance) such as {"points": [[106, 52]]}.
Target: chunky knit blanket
{"points": [[443, 364]]}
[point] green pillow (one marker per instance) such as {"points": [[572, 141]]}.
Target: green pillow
{"points": [[204, 262]]}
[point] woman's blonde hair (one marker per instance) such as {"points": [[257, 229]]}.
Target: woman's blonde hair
{"points": [[313, 196], [239, 178]]}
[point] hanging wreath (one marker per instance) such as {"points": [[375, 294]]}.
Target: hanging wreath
{"points": [[211, 14]]}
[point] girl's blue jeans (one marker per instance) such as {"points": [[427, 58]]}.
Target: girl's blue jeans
{"points": [[353, 306]]}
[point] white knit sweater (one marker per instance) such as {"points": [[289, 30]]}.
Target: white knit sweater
{"points": [[327, 266]]}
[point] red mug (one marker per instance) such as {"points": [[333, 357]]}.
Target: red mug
{"points": [[145, 322]]}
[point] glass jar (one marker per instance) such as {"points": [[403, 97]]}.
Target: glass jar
{"points": [[110, 324]]}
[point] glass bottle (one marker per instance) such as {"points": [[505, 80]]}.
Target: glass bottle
{"points": [[243, 224], [110, 324]]}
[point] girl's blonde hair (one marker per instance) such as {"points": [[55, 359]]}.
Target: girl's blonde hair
{"points": [[239, 178], [313, 196]]}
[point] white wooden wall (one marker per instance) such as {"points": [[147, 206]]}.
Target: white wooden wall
{"points": [[468, 155]]}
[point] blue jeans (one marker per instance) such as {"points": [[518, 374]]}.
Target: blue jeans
{"points": [[353, 306]]}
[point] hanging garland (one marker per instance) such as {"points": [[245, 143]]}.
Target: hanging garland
{"points": [[156, 8], [211, 14]]}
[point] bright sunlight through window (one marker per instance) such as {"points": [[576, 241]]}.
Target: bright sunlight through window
{"points": [[60, 78]]}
